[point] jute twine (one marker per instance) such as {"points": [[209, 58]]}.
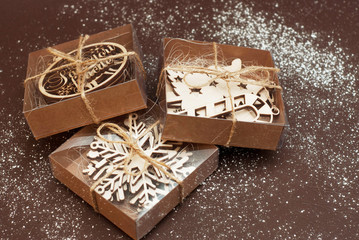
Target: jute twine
{"points": [[130, 141], [82, 66], [246, 75]]}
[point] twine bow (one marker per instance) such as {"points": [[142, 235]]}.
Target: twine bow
{"points": [[246, 75], [131, 142], [82, 66]]}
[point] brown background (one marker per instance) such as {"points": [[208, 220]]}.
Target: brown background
{"points": [[307, 189]]}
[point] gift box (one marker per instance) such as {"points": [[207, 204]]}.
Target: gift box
{"points": [[84, 81], [128, 173], [220, 94]]}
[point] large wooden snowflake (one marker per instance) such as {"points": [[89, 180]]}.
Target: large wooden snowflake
{"points": [[141, 182], [251, 102]]}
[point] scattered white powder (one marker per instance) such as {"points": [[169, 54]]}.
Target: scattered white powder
{"points": [[284, 194]]}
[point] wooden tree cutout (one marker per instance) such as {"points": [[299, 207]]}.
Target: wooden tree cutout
{"points": [[251, 102], [144, 188]]}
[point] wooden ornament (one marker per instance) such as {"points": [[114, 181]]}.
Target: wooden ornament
{"points": [[252, 103], [63, 84], [126, 182]]}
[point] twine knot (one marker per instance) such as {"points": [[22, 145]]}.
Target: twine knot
{"points": [[226, 74], [132, 143]]}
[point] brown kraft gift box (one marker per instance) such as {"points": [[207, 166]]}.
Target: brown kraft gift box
{"points": [[47, 118], [199, 129], [74, 162]]}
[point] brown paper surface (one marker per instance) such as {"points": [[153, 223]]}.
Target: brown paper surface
{"points": [[48, 119], [213, 130]]}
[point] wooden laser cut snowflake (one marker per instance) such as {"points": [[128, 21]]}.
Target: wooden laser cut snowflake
{"points": [[145, 187], [251, 102]]}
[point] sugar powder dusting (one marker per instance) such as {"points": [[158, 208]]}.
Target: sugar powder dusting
{"points": [[311, 179]]}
